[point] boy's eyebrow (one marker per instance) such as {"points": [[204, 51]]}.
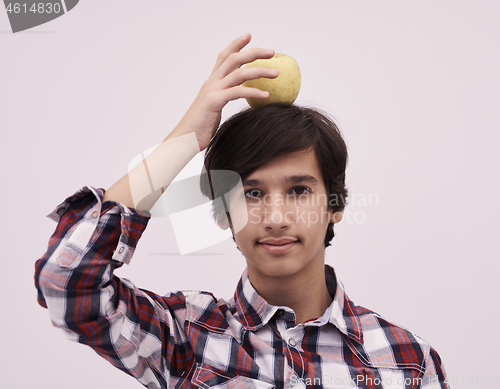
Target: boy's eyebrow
{"points": [[300, 179]]}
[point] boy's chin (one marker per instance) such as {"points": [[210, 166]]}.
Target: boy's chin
{"points": [[275, 268]]}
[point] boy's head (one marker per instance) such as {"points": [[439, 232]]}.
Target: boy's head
{"points": [[253, 138]]}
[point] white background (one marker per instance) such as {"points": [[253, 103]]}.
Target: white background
{"points": [[413, 85]]}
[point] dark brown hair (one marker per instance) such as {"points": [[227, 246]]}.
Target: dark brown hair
{"points": [[253, 137]]}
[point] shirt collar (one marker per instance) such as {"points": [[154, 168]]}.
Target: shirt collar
{"points": [[255, 312]]}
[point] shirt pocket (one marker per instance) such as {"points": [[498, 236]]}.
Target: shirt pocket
{"points": [[206, 376]]}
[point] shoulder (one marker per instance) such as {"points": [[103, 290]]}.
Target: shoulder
{"points": [[386, 344], [199, 307]]}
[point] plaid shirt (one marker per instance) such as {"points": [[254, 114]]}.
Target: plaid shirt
{"points": [[191, 339]]}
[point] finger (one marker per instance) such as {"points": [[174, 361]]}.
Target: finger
{"points": [[236, 60], [235, 46], [239, 76], [238, 92]]}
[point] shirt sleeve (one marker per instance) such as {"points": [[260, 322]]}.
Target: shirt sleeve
{"points": [[435, 375], [137, 331]]}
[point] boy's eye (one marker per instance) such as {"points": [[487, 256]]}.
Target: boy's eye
{"points": [[252, 193], [300, 190]]}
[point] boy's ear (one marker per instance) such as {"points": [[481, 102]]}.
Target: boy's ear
{"points": [[222, 222], [337, 216]]}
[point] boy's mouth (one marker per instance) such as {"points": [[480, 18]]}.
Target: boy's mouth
{"points": [[277, 242], [280, 245]]}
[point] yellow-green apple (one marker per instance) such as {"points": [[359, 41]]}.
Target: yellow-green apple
{"points": [[282, 89]]}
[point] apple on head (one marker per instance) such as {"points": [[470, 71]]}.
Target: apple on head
{"points": [[282, 89]]}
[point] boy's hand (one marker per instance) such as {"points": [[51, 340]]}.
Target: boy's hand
{"points": [[224, 85]]}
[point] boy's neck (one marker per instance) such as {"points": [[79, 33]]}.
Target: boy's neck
{"points": [[307, 294]]}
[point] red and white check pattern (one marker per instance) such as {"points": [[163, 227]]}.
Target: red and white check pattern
{"points": [[192, 339]]}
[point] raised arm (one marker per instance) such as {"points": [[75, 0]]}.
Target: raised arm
{"points": [[142, 186]]}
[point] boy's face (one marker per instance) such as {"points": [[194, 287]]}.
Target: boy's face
{"points": [[288, 215]]}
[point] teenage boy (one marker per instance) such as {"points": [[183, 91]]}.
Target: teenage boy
{"points": [[290, 323]]}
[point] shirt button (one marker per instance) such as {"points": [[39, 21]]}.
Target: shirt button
{"points": [[292, 342], [121, 250], [281, 312], [95, 214], [60, 211]]}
